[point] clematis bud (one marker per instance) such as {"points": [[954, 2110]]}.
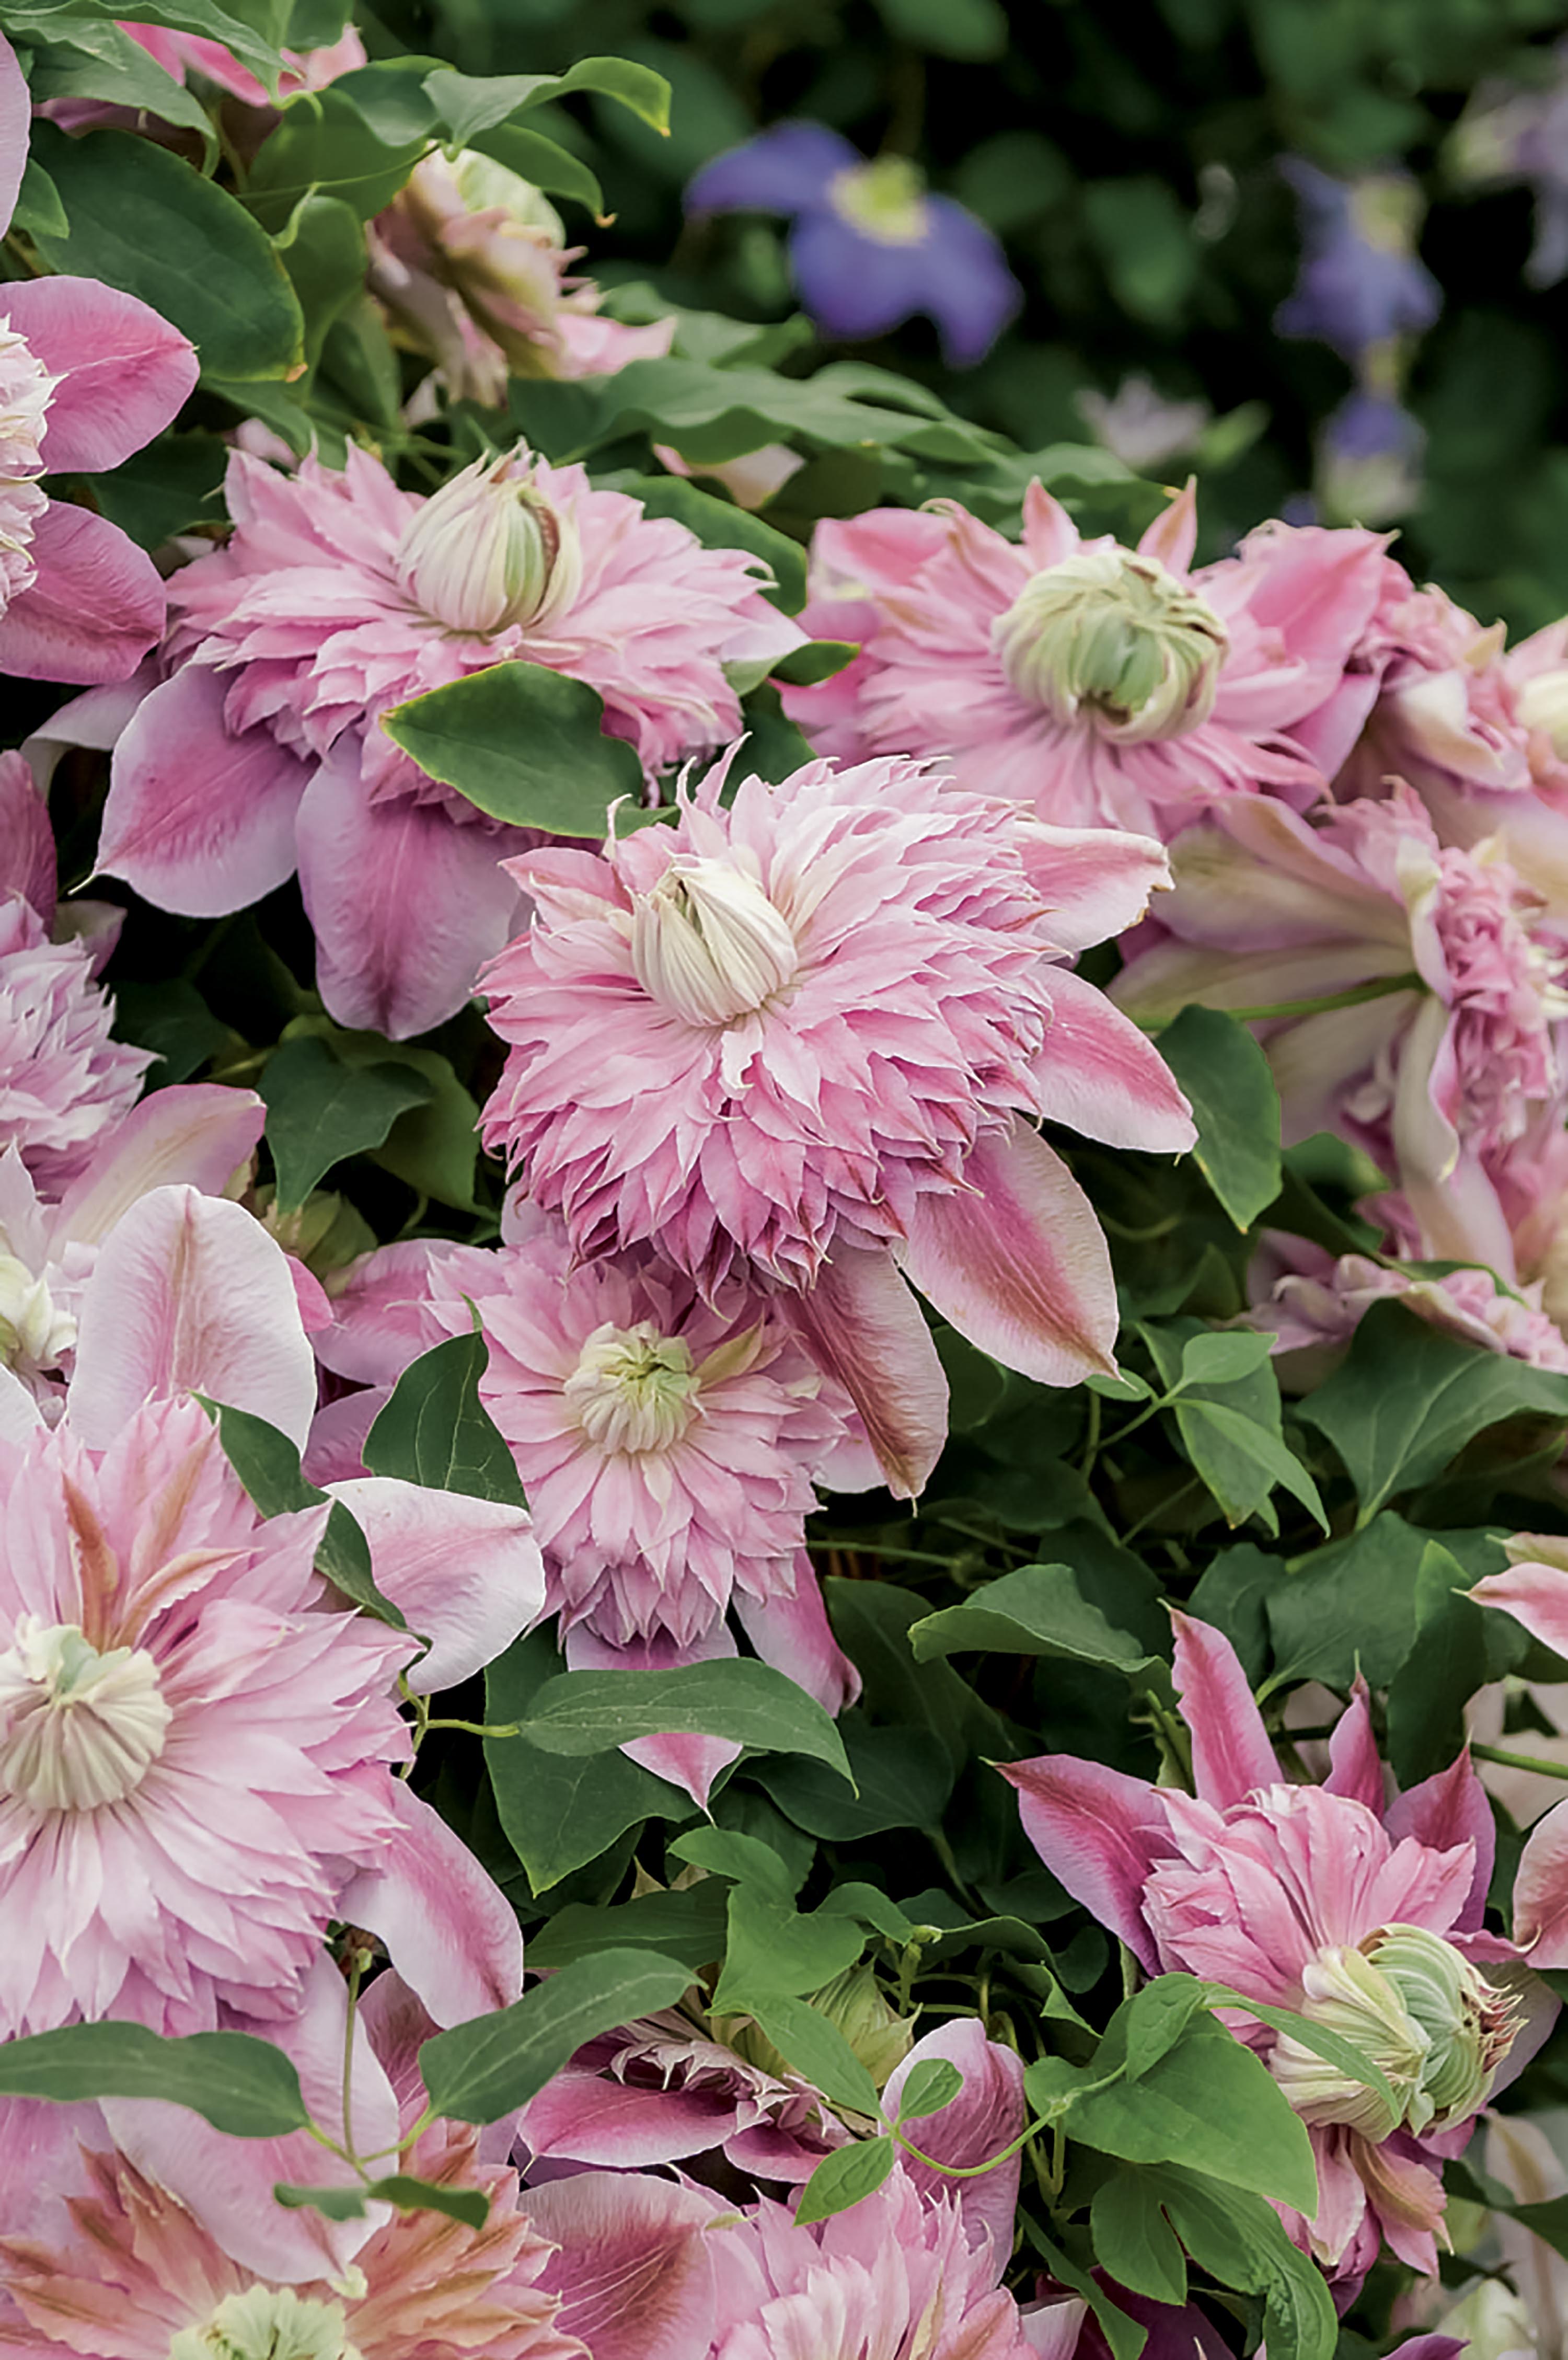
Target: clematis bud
{"points": [[1110, 633], [498, 244], [852, 2001], [708, 944], [265, 2322], [489, 551], [1543, 705], [33, 1332], [632, 1390]]}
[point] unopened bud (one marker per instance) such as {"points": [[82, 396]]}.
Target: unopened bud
{"points": [[708, 944], [1112, 634], [490, 550]]}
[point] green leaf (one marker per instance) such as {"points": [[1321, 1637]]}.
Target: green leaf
{"points": [[949, 28], [1134, 2242], [1408, 1397], [1210, 2103], [39, 211], [774, 1950], [332, 2203], [470, 2205], [481, 2070], [843, 2177], [818, 660], [1144, 240], [320, 1109], [1038, 1610], [1234, 1106], [101, 61], [934, 2083], [435, 1146], [330, 144], [1446, 1664], [1224, 1358], [143, 221], [468, 104], [744, 1859], [523, 744], [436, 1431], [688, 1925], [267, 1465], [1239, 2239], [323, 250], [1331, 2045], [171, 1018], [242, 2086], [813, 2048], [1156, 2018], [1231, 1431], [903, 1781], [748, 1703], [1255, 1444], [542, 162]]}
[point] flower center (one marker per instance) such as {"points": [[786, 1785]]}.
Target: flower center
{"points": [[708, 944], [884, 200], [267, 2323], [1111, 633], [25, 386], [77, 1728], [33, 1334], [633, 1389], [1543, 705], [1416, 2007], [489, 551]]}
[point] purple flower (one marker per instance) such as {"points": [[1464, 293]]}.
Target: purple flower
{"points": [[1369, 460], [869, 246], [1362, 282], [1511, 131]]}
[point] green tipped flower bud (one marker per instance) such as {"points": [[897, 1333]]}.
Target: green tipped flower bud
{"points": [[489, 551], [1110, 633], [852, 2001], [1469, 2023], [708, 944]]}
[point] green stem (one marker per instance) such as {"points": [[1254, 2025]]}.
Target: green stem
{"points": [[1356, 996], [477, 1728], [1507, 1761]]}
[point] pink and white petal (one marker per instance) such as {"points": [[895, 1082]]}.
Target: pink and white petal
{"points": [[1231, 1751], [26, 840], [336, 1451], [1449, 1808], [593, 2118], [1173, 535], [1050, 2329], [1099, 1833], [407, 904], [863, 1326], [1541, 1892], [1356, 1766], [15, 124], [1097, 1074], [95, 609], [123, 372], [1535, 1595], [197, 1133], [1021, 1267], [199, 821], [190, 1294], [634, 2265], [466, 1574], [793, 1634], [1096, 880], [95, 719], [981, 2121], [450, 1931], [686, 1760], [20, 1416]]}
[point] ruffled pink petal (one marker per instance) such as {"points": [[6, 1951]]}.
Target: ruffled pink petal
{"points": [[1100, 1076], [1099, 1833], [1450, 1809], [1022, 1268], [983, 2120], [1231, 1753], [450, 1932], [197, 820], [634, 2266], [96, 608], [863, 1326], [196, 1133], [123, 372], [794, 1636], [407, 904], [1096, 880], [466, 1574], [15, 124], [190, 1294]]}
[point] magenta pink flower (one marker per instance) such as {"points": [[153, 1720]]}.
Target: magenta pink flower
{"points": [[187, 54], [1362, 1916], [815, 1024], [1311, 1303], [1101, 684], [65, 1081], [1458, 1044], [338, 596], [87, 375]]}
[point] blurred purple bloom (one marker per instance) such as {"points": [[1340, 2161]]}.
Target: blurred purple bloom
{"points": [[869, 246], [1362, 283], [1369, 460], [1510, 132]]}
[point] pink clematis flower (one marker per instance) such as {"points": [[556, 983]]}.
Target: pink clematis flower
{"points": [[1311, 1303], [1326, 1900], [87, 375], [337, 596], [1105, 687], [1455, 1044], [152, 2256], [802, 1037]]}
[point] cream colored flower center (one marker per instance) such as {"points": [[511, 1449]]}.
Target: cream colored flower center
{"points": [[1543, 705], [489, 551], [633, 1389], [78, 1729], [708, 944], [1416, 2007], [1110, 634], [33, 1333], [884, 200], [267, 2323]]}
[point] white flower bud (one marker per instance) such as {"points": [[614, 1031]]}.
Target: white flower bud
{"points": [[708, 944], [489, 551]]}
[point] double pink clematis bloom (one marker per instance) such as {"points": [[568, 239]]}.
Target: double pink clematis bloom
{"points": [[336, 596], [801, 1037], [1103, 686], [87, 375], [1363, 1915]]}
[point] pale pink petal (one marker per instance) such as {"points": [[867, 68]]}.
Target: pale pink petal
{"points": [[686, 1759], [20, 1416], [1449, 1808], [407, 904], [794, 1636], [1173, 535], [449, 1930], [95, 609], [862, 1325], [190, 1294], [1021, 1267], [634, 2268], [1099, 1833], [198, 820], [15, 122], [983, 2120], [466, 1574], [1535, 1595], [1231, 1753], [196, 1132], [1099, 1074], [122, 371], [1095, 882], [26, 840], [1541, 1892]]}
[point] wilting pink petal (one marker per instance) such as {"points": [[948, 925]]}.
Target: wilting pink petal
{"points": [[200, 1133], [95, 609], [197, 820], [794, 1636], [1096, 1830], [983, 2120], [1099, 1074], [122, 371], [451, 1932], [26, 840], [16, 124], [406, 906], [1448, 1808], [190, 1294], [1022, 1268], [635, 2268], [861, 1324], [686, 1759], [466, 1574], [1231, 1751]]}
